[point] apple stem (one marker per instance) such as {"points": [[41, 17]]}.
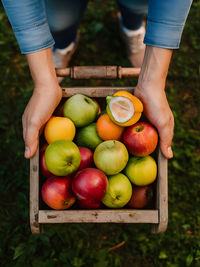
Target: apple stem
{"points": [[86, 100], [66, 202], [139, 128]]}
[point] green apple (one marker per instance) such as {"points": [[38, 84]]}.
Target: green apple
{"points": [[119, 191], [111, 157], [141, 170], [88, 137], [62, 157], [81, 109]]}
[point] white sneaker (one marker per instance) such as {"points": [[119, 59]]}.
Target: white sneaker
{"points": [[61, 57], [134, 44]]}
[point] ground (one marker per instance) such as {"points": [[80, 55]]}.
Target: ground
{"points": [[88, 245]]}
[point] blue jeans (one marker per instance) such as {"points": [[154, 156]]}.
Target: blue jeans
{"points": [[28, 18], [64, 17]]}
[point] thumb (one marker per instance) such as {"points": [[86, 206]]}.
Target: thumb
{"points": [[165, 142], [31, 140]]}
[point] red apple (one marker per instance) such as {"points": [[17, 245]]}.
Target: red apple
{"points": [[45, 172], [141, 196], [140, 139], [89, 204], [57, 193], [86, 158], [89, 186]]}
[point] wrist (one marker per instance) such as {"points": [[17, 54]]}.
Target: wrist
{"points": [[42, 68], [48, 90], [154, 68]]}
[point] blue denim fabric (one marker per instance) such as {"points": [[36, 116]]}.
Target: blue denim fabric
{"points": [[165, 22], [138, 6], [130, 18], [64, 18], [29, 22]]}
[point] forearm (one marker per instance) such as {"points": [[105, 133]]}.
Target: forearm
{"points": [[42, 68], [154, 68]]}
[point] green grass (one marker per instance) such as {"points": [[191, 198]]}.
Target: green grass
{"points": [[87, 244]]}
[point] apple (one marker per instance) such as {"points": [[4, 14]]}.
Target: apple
{"points": [[111, 157], [81, 109], [62, 157], [45, 172], [89, 204], [57, 193], [141, 170], [89, 186], [140, 139], [86, 158], [88, 137], [141, 196], [118, 192]]}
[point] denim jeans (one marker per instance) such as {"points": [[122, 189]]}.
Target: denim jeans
{"points": [[64, 17], [28, 18]]}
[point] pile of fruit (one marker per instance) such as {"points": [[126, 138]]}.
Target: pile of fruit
{"points": [[98, 158]]}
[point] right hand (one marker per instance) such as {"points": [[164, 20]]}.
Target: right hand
{"points": [[158, 112], [38, 111]]}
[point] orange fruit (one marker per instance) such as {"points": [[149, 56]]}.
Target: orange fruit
{"points": [[58, 128], [136, 102], [107, 129], [138, 109], [120, 109]]}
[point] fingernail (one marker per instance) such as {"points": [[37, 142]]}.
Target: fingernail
{"points": [[170, 153], [27, 152]]}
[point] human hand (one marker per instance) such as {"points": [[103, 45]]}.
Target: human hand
{"points": [[151, 91], [46, 96], [39, 109], [158, 112]]}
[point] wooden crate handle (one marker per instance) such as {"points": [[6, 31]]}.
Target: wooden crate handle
{"points": [[97, 72]]}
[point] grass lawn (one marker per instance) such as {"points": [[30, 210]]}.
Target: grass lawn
{"points": [[88, 244]]}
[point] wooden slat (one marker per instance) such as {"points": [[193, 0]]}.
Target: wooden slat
{"points": [[162, 194], [34, 193], [102, 91], [98, 216]]}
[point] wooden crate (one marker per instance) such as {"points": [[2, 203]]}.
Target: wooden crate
{"points": [[158, 217]]}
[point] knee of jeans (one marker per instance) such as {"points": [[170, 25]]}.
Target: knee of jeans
{"points": [[62, 20]]}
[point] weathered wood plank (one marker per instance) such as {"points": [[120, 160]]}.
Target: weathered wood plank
{"points": [[162, 194], [101, 91], [98, 216], [97, 72], [34, 193]]}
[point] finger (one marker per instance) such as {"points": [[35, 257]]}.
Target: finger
{"points": [[166, 136], [31, 140]]}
